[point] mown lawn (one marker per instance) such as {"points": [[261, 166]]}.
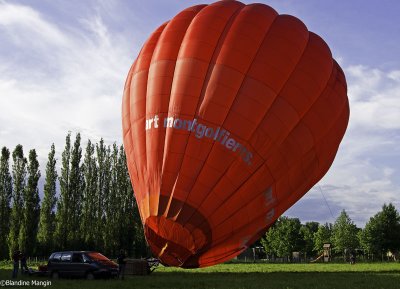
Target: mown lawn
{"points": [[341, 276]]}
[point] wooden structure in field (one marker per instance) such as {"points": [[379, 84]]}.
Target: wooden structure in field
{"points": [[327, 252]]}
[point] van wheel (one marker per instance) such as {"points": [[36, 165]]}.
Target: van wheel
{"points": [[55, 275], [89, 276]]}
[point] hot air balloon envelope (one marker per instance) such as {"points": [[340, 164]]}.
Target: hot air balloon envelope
{"points": [[231, 113]]}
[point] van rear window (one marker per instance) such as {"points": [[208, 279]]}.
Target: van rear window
{"points": [[56, 257], [66, 257]]}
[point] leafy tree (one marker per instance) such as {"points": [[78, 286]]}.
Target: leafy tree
{"points": [[64, 201], [322, 236], [344, 234], [89, 201], [371, 237], [31, 207], [283, 237], [5, 201], [18, 176], [307, 232], [47, 215], [390, 227], [382, 232]]}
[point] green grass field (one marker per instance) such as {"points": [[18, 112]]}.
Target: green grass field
{"points": [[340, 276]]}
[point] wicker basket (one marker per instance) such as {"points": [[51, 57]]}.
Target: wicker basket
{"points": [[136, 267]]}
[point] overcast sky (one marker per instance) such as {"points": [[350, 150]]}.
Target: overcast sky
{"points": [[63, 65]]}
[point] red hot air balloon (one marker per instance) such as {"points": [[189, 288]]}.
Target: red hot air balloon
{"points": [[231, 113]]}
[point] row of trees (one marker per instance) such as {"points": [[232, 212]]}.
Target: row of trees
{"points": [[380, 235], [90, 205]]}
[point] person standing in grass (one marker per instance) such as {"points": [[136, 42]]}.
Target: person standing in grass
{"points": [[24, 266], [352, 257], [121, 264], [16, 256]]}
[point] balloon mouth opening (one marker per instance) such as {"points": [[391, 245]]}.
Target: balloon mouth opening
{"points": [[170, 242]]}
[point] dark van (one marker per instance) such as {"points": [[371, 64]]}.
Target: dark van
{"points": [[86, 264]]}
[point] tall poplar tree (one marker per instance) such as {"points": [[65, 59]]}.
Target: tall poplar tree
{"points": [[112, 206], [64, 201], [45, 234], [18, 176], [119, 205], [103, 154], [76, 186], [89, 202], [31, 207], [5, 201]]}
